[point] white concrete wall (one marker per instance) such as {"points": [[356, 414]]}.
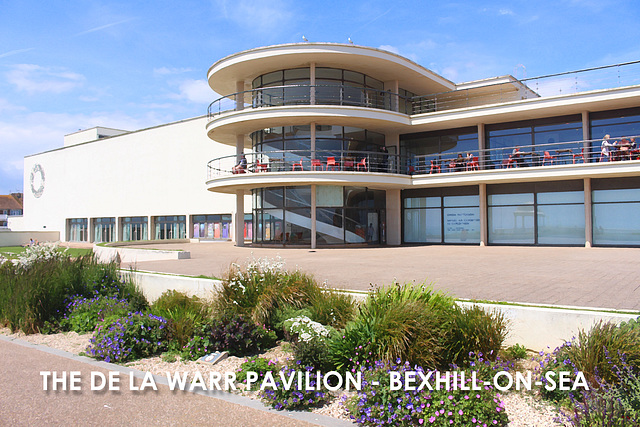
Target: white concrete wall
{"points": [[153, 285], [19, 238], [15, 223], [151, 172]]}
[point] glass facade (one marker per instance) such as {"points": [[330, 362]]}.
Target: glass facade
{"points": [[421, 148], [77, 230], [450, 215], [104, 230], [543, 135], [134, 228], [550, 213], [170, 227], [212, 226], [344, 215], [616, 211]]}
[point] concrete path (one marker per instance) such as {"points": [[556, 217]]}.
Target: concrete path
{"points": [[584, 277], [24, 402]]}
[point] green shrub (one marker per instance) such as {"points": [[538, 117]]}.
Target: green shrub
{"points": [[516, 351], [233, 333], [377, 404], [309, 341], [282, 314], [472, 330], [262, 287], [260, 366], [332, 308], [401, 321], [295, 398], [184, 315], [84, 314], [128, 338]]}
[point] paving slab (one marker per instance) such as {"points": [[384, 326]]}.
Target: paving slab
{"points": [[573, 276]]}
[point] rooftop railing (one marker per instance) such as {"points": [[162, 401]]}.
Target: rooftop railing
{"points": [[276, 96], [538, 155], [607, 77]]}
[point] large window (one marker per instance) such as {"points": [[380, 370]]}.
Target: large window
{"points": [[282, 215], [549, 213], [423, 147], [212, 226], [616, 123], [170, 227], [77, 229], [536, 136], [616, 211], [134, 228], [104, 230], [448, 215]]}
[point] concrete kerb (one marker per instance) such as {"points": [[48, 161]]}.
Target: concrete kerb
{"points": [[309, 417], [534, 326]]}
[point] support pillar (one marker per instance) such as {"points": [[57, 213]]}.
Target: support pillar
{"points": [[239, 95], [586, 136], [482, 191], [313, 217], [482, 145], [312, 82], [588, 216], [239, 219], [394, 217]]}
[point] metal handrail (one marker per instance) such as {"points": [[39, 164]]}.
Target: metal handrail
{"points": [[274, 96], [537, 155]]}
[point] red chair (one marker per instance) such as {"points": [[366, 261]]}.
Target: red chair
{"points": [[331, 163], [295, 165], [548, 158], [261, 167], [362, 163], [577, 156], [348, 164], [473, 164], [435, 166], [508, 163], [315, 163]]}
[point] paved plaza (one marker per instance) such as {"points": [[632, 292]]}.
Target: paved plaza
{"points": [[585, 277]]}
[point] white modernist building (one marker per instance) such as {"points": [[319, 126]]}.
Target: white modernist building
{"points": [[109, 185], [323, 144]]}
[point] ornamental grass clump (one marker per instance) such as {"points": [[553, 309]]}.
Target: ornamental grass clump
{"points": [[127, 338], [378, 403], [401, 321], [259, 289], [184, 315]]}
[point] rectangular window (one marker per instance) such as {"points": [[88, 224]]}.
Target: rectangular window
{"points": [[616, 212]]}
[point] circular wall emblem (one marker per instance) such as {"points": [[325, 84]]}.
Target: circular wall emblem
{"points": [[37, 180]]}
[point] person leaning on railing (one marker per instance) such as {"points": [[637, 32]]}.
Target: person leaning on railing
{"points": [[241, 167], [605, 151]]}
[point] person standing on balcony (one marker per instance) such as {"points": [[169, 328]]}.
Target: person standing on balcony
{"points": [[517, 157], [384, 159], [605, 152]]}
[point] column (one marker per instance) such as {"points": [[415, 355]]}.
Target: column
{"points": [[239, 95], [588, 218], [482, 191], [312, 128], [239, 219], [482, 145], [313, 217], [393, 87], [312, 82], [394, 217], [392, 140], [586, 136]]}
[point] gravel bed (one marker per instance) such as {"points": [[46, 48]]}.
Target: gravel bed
{"points": [[523, 409]]}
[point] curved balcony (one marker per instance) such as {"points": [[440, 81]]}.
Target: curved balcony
{"points": [[278, 96]]}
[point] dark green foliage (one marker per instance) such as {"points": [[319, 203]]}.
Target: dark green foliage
{"points": [[516, 351], [233, 333], [260, 366], [83, 314]]}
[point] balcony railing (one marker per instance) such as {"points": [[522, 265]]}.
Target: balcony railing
{"points": [[310, 95], [611, 76], [530, 156]]}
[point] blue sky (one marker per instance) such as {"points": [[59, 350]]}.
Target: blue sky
{"points": [[69, 65]]}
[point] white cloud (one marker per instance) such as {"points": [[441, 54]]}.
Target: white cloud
{"points": [[257, 16], [33, 79], [505, 11], [103, 27], [15, 52], [164, 71], [197, 91], [6, 106], [390, 48]]}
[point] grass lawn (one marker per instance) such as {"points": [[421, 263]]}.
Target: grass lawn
{"points": [[12, 252]]}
